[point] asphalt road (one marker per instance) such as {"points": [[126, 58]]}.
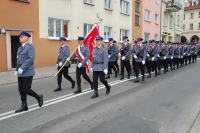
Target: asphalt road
{"points": [[167, 104]]}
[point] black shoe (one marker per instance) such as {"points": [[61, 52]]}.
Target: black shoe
{"points": [[159, 73], [95, 95], [137, 80], [149, 76], [57, 89], [107, 77], [40, 100], [122, 78], [128, 76], [21, 109], [78, 91], [116, 74], [108, 90], [73, 84], [143, 78]]}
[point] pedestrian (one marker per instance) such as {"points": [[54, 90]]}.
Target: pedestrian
{"points": [[100, 66], [82, 53], [64, 53], [25, 71]]}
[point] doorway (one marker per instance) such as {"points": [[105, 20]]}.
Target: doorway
{"points": [[14, 47]]}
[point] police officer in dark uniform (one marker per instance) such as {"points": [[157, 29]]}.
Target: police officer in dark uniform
{"points": [[82, 53], [139, 53], [163, 56], [176, 56], [100, 66], [64, 52], [125, 52], [25, 71], [112, 57]]}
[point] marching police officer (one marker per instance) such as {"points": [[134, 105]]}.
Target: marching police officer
{"points": [[64, 52], [163, 56], [112, 57], [139, 53], [100, 66], [125, 52], [176, 56], [153, 52], [170, 56], [82, 53], [25, 71]]}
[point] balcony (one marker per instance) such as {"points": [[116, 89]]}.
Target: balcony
{"points": [[173, 6]]}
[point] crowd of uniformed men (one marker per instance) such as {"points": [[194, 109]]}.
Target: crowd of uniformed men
{"points": [[145, 56]]}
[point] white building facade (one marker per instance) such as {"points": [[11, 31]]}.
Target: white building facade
{"points": [[171, 20], [72, 18]]}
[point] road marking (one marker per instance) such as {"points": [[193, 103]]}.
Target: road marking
{"points": [[33, 107]]}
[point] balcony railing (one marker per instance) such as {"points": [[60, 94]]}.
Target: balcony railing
{"points": [[173, 6]]}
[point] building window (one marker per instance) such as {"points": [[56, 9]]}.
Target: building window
{"points": [[171, 21], [199, 14], [191, 15], [157, 2], [199, 26], [146, 15], [124, 7], [86, 29], [108, 4], [57, 27], [123, 32], [156, 18], [178, 20], [146, 36], [137, 20], [137, 6], [107, 32], [91, 2], [191, 26]]}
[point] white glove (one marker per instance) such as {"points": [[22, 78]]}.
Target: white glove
{"points": [[165, 57], [135, 56], [181, 56], [109, 56], [184, 53], [153, 58], [119, 54], [68, 59], [143, 62], [158, 55], [20, 71], [15, 73], [60, 64], [148, 55], [172, 57], [79, 65], [105, 71], [91, 69], [123, 58]]}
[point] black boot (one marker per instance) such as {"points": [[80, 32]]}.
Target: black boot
{"points": [[73, 84], [149, 76], [122, 78], [58, 88], [108, 90], [137, 80], [24, 107], [107, 77], [40, 100], [116, 74], [143, 78], [78, 91], [95, 95], [129, 75]]}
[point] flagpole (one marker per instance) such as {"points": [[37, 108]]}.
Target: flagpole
{"points": [[100, 20]]}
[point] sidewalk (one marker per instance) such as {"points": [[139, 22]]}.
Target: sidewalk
{"points": [[45, 72]]}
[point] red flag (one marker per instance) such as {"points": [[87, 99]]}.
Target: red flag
{"points": [[89, 39]]}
